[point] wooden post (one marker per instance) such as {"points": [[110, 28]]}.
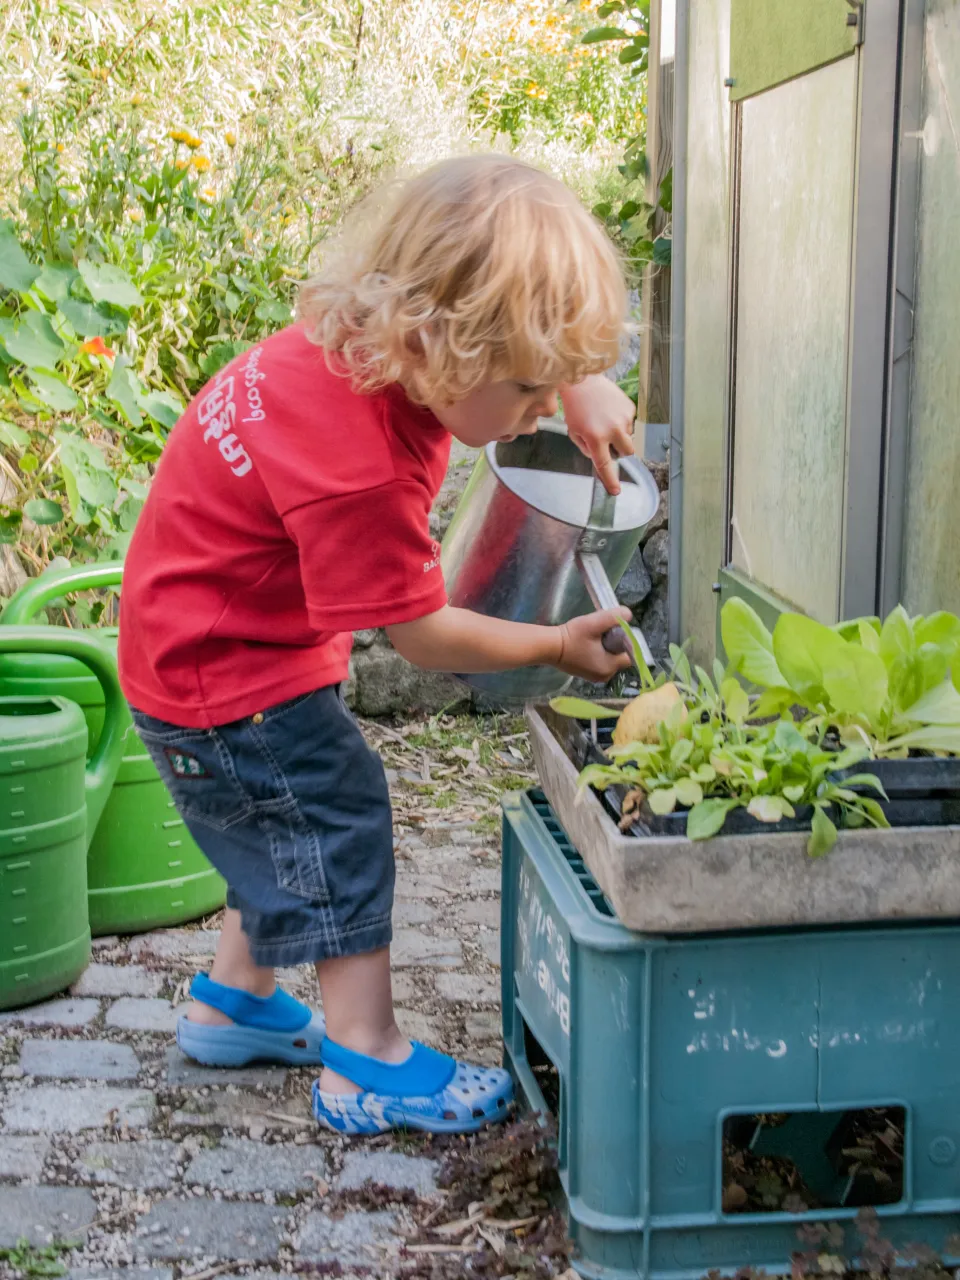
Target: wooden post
{"points": [[654, 371]]}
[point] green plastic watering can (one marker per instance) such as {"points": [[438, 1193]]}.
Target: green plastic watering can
{"points": [[144, 869], [51, 799]]}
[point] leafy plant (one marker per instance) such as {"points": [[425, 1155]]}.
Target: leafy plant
{"points": [[710, 758], [891, 687], [27, 1260]]}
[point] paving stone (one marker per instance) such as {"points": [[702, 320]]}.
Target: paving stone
{"points": [[55, 1013], [23, 1157], [388, 1169], [412, 948], [404, 987], [147, 1165], [176, 944], [41, 1215], [408, 913], [490, 946], [123, 1273], [183, 1229], [485, 880], [132, 1014], [182, 1071], [242, 1112], [63, 1109], [79, 1060], [485, 912], [418, 1026], [243, 1167], [467, 988], [117, 980], [415, 887], [484, 1026], [355, 1239]]}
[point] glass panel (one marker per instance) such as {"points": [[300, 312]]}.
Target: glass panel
{"points": [[705, 372], [796, 210], [931, 570]]}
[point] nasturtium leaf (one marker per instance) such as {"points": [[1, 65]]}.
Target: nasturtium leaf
{"points": [[12, 435], [108, 283], [597, 35], [43, 511], [17, 272], [88, 321], [10, 526], [54, 392], [163, 407], [84, 465], [35, 343], [124, 391], [55, 279]]}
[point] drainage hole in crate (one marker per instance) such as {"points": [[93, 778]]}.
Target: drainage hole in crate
{"points": [[802, 1160], [544, 1072]]}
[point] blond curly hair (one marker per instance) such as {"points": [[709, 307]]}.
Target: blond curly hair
{"points": [[481, 268]]}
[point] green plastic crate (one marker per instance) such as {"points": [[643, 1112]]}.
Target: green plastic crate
{"points": [[656, 1042]]}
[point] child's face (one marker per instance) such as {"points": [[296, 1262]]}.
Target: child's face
{"points": [[497, 411]]}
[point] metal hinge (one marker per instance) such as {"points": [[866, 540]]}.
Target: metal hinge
{"points": [[857, 18]]}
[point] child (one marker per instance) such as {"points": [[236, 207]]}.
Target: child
{"points": [[291, 508]]}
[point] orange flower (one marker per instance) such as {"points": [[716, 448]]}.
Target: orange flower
{"points": [[97, 347]]}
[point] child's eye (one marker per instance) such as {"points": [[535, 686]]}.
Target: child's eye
{"points": [[525, 389]]}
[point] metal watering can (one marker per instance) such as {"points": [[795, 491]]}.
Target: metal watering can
{"points": [[144, 869], [51, 798], [536, 538]]}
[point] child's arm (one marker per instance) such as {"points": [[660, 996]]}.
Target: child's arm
{"points": [[599, 418], [462, 641]]}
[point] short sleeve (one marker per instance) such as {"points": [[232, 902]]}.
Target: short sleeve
{"points": [[367, 559]]}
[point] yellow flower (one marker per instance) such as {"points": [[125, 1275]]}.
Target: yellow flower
{"points": [[179, 135], [135, 215], [208, 194], [60, 148], [137, 100], [200, 163], [230, 138], [193, 142], [182, 164]]}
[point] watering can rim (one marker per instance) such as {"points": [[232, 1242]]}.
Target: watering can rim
{"points": [[632, 465]]}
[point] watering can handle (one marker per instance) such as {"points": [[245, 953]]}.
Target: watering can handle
{"points": [[103, 764], [604, 597], [34, 595]]}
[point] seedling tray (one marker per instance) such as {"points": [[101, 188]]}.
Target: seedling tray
{"points": [[913, 800], [755, 877]]}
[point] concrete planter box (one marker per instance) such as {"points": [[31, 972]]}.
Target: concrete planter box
{"points": [[668, 884]]}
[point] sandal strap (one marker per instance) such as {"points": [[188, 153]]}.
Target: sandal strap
{"points": [[424, 1073], [279, 1012]]}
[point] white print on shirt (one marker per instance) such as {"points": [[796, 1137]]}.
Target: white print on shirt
{"points": [[430, 565], [217, 413], [251, 376]]}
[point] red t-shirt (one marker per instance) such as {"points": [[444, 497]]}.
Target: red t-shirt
{"points": [[287, 511]]}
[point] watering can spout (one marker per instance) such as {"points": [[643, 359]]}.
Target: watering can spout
{"points": [[104, 762]]}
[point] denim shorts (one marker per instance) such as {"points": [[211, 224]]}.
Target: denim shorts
{"points": [[292, 808]]}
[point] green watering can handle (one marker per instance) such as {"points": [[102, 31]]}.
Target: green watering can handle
{"points": [[26, 603], [103, 764]]}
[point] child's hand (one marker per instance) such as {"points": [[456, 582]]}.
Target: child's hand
{"points": [[583, 653], [599, 418]]}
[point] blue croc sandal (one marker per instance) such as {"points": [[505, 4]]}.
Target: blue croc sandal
{"points": [[429, 1091], [273, 1028]]}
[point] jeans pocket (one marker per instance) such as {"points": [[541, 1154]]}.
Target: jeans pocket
{"points": [[197, 769], [295, 851]]}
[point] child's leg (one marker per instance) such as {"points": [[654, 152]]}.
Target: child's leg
{"points": [[234, 967], [358, 1004]]}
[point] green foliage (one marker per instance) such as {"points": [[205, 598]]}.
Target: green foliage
{"points": [[26, 1260], [140, 252], [893, 688], [716, 759]]}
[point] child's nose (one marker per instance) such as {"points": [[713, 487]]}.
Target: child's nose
{"points": [[548, 406]]}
